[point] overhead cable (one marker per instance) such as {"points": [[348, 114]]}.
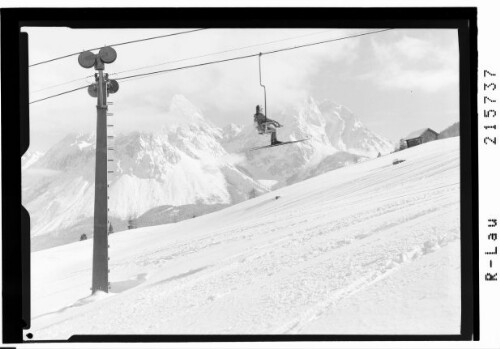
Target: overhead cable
{"points": [[118, 44]]}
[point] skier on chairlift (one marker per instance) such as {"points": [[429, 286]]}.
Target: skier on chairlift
{"points": [[265, 125]]}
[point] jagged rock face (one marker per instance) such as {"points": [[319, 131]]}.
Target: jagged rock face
{"points": [[179, 165], [72, 153], [191, 162], [348, 133]]}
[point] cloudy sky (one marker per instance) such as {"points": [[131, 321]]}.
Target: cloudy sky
{"points": [[395, 82]]}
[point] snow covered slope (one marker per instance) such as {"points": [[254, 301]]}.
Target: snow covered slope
{"points": [[29, 158], [368, 248]]}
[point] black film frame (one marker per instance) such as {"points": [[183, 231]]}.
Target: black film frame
{"points": [[15, 138]]}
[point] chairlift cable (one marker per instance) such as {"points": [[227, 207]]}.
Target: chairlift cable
{"points": [[132, 77], [117, 44], [221, 52], [189, 58], [61, 84], [251, 55], [59, 94]]}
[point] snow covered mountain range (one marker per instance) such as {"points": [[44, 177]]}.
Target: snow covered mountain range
{"points": [[190, 163], [331, 129]]}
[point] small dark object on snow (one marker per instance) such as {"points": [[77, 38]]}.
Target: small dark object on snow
{"points": [[83, 237], [397, 161], [277, 197]]}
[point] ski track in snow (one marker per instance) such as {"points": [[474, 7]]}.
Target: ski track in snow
{"points": [[265, 265]]}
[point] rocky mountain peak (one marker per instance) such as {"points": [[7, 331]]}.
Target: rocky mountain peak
{"points": [[191, 161]]}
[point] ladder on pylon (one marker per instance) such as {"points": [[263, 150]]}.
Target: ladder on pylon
{"points": [[110, 161]]}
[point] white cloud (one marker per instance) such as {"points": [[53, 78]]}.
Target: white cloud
{"points": [[430, 81], [413, 48], [231, 89], [413, 63]]}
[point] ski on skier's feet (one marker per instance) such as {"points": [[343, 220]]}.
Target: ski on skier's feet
{"points": [[278, 144]]}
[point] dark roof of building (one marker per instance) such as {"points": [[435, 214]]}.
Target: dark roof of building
{"points": [[419, 133]]}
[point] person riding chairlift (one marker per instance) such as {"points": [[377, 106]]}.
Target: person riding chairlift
{"points": [[265, 125]]}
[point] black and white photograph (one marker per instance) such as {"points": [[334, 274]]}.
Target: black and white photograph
{"points": [[268, 176], [243, 181]]}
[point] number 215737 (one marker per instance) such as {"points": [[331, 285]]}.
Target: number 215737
{"points": [[488, 105]]}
